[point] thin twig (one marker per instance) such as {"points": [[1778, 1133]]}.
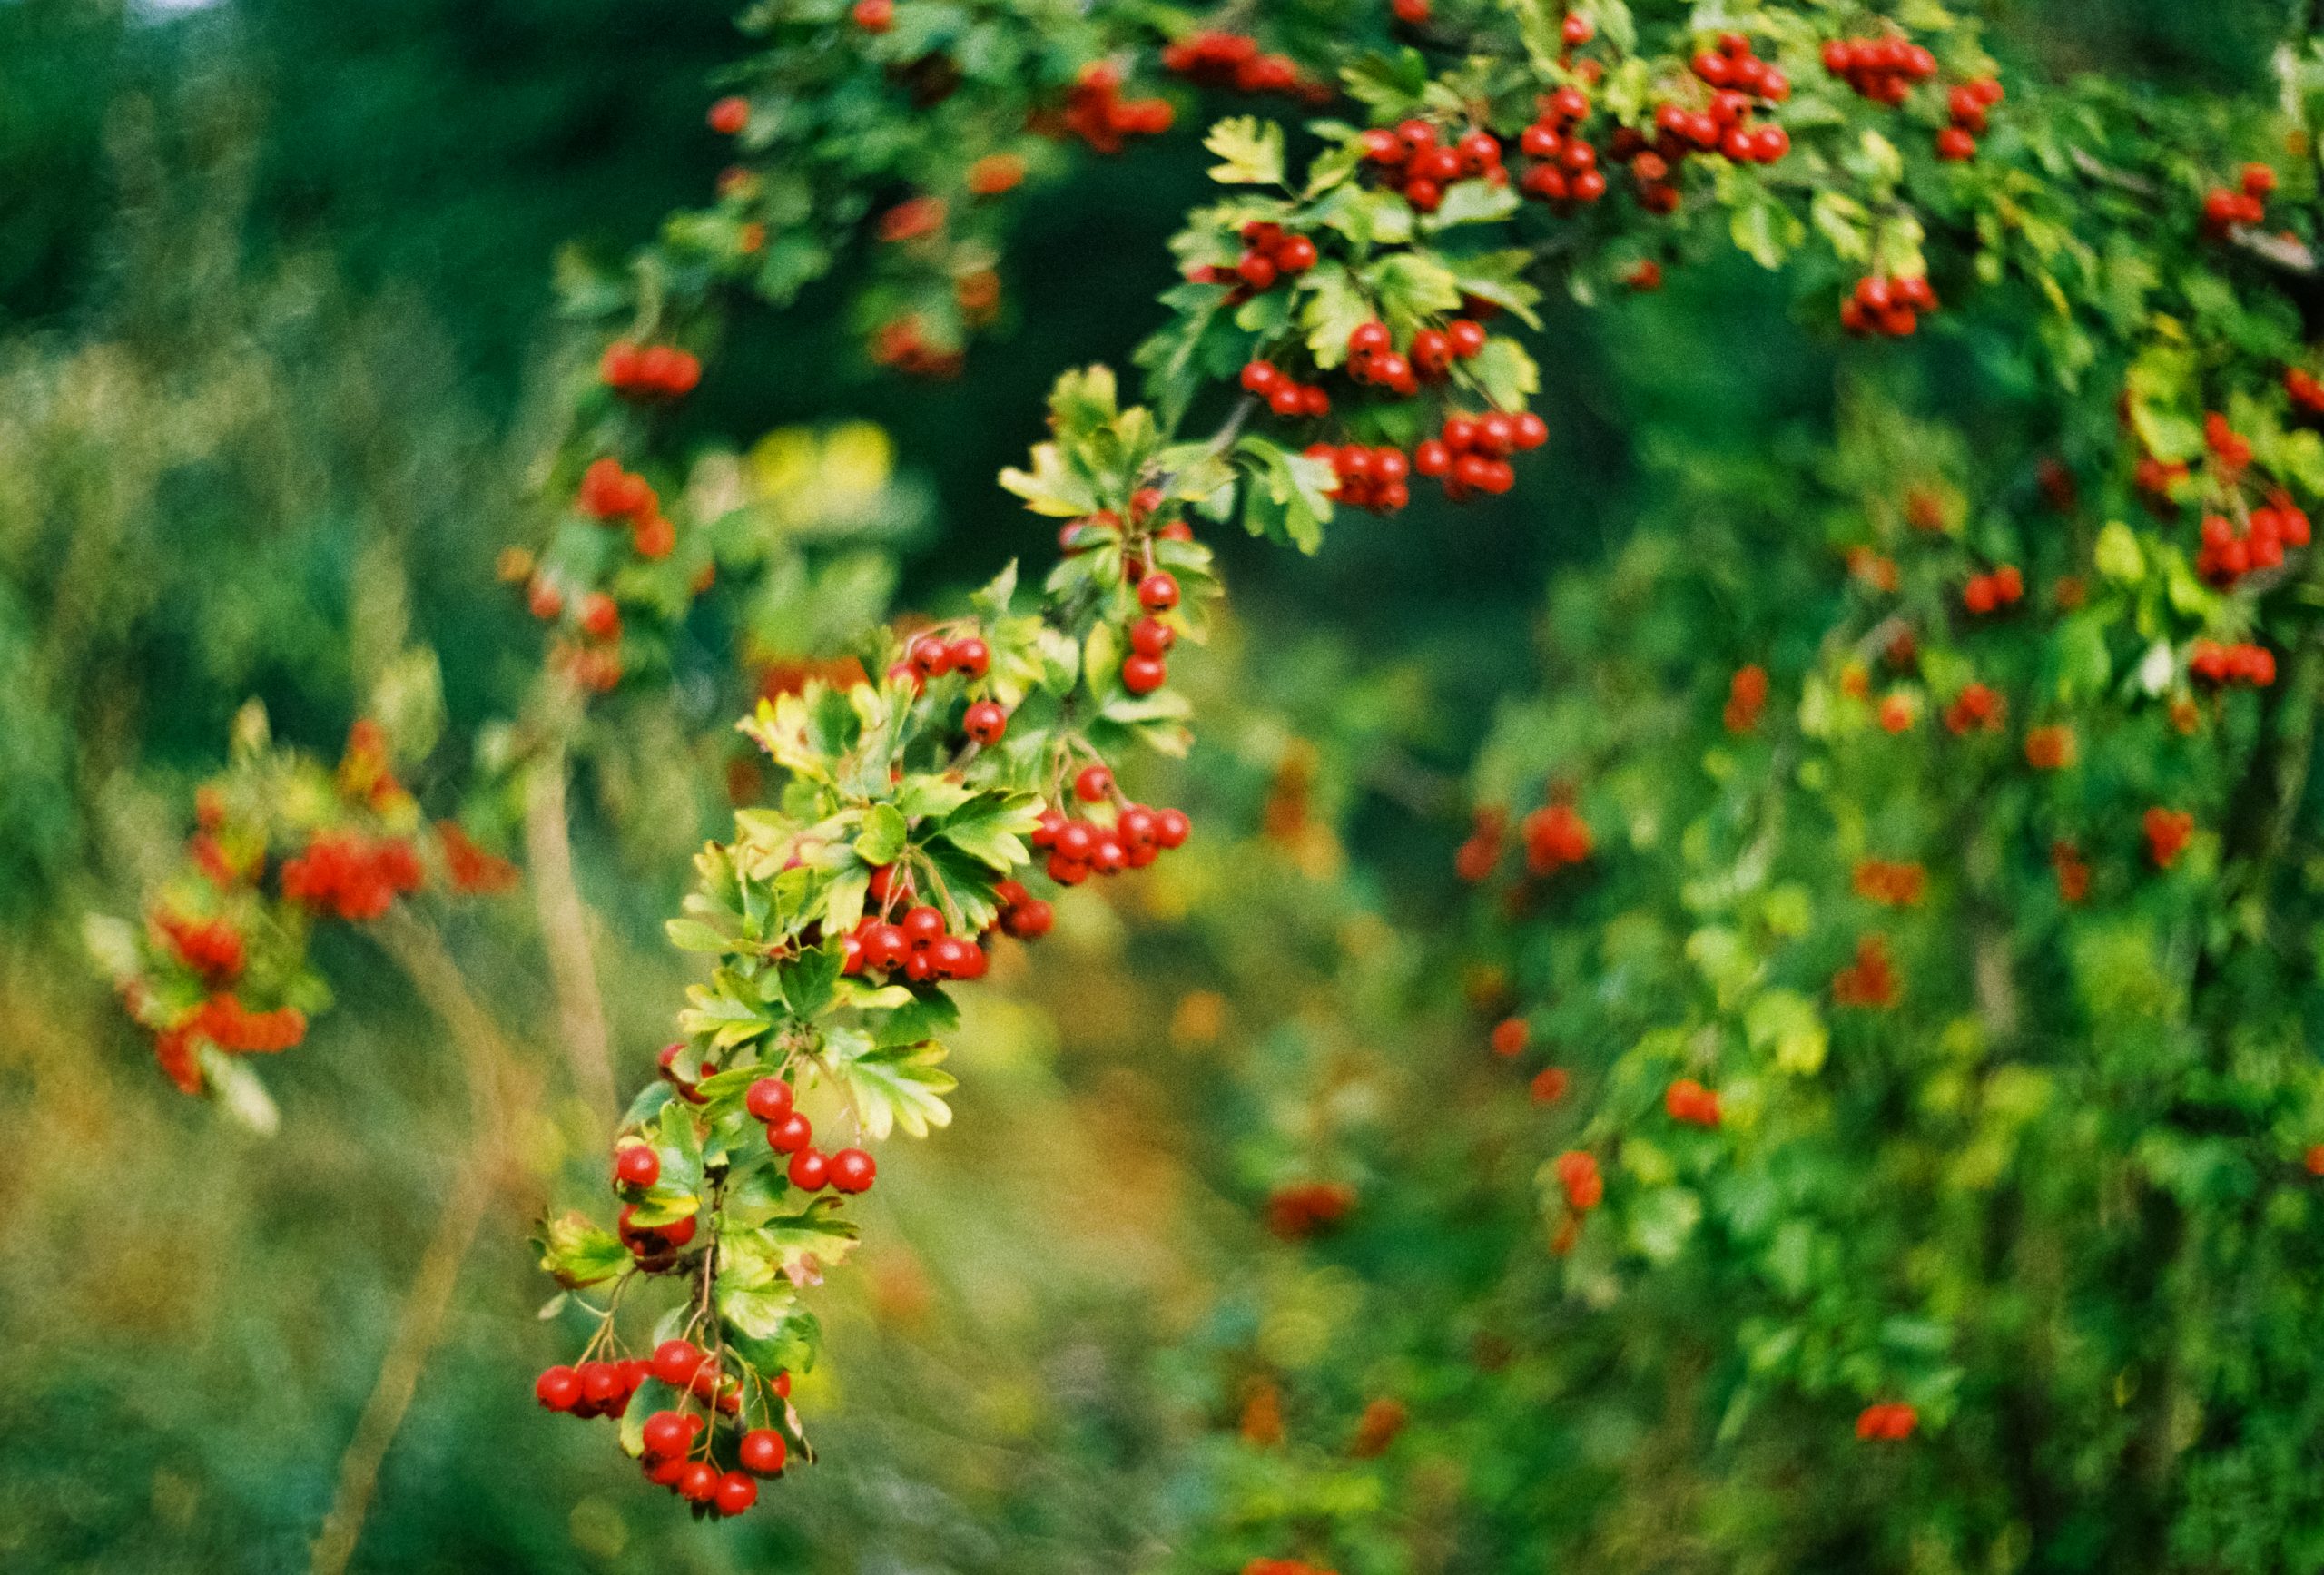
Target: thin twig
{"points": [[484, 1057], [564, 932]]}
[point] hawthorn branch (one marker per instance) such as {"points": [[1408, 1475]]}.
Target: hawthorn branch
{"points": [[420, 953], [565, 933]]}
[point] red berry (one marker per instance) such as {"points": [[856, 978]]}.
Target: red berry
{"points": [[790, 1134], [636, 1165], [666, 1436], [1094, 785], [1157, 592], [971, 656], [922, 926], [985, 723], [558, 1388], [1151, 637], [1261, 377], [768, 1100], [730, 115], [1295, 255], [698, 1483], [1511, 1036], [1171, 828], [736, 1492], [810, 1171], [874, 16], [930, 656], [761, 1452], [676, 1362], [851, 1170], [1143, 674], [1370, 339]]}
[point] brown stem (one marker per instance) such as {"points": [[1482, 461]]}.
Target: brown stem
{"points": [[484, 1057], [565, 932]]}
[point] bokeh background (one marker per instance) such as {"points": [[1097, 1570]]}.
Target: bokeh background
{"points": [[272, 274]]}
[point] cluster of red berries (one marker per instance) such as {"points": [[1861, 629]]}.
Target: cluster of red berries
{"points": [[2306, 391], [1078, 848], [1978, 707], [1286, 395], [357, 877], [474, 871], [1298, 1209], [676, 1453], [650, 372], [1554, 837], [1564, 167], [1687, 1100], [1747, 695], [2225, 557], [1022, 914], [1146, 667], [1372, 478], [2005, 587], [1884, 70], [2168, 831], [903, 343], [1411, 160], [616, 496], [919, 944], [931, 656], [2246, 203], [1871, 979], [1889, 1420], [2050, 748], [2240, 663], [1889, 308], [1272, 253], [213, 947], [1892, 882], [1219, 59], [226, 1023], [1470, 453], [1733, 65], [788, 1131], [1095, 112], [1967, 107], [1577, 1173], [591, 1389]]}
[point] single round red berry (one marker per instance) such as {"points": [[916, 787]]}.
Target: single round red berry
{"points": [[1157, 592], [637, 1166], [884, 946], [698, 1483], [971, 656], [791, 1134], [985, 723], [1093, 784], [736, 1492], [763, 1452], [768, 1100], [810, 1171], [675, 1362], [930, 656], [1143, 674], [1152, 638], [1171, 828], [730, 115], [666, 1436], [923, 925], [558, 1388], [851, 1170]]}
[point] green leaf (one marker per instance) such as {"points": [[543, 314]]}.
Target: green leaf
{"points": [[991, 829], [893, 1086], [1250, 152], [885, 833], [1786, 1024], [575, 1253]]}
